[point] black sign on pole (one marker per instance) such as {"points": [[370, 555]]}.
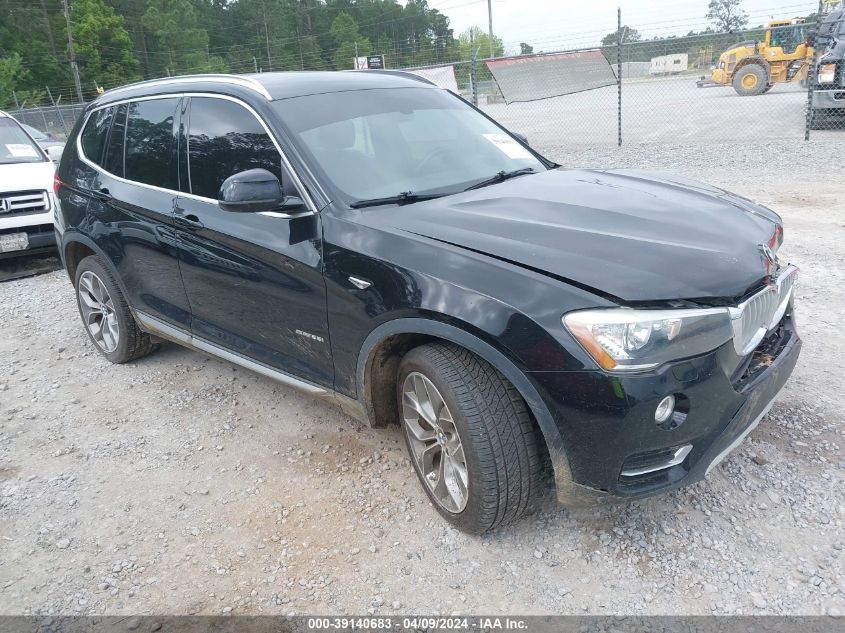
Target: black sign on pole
{"points": [[375, 62]]}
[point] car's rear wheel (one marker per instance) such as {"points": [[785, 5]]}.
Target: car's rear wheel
{"points": [[470, 437], [105, 314]]}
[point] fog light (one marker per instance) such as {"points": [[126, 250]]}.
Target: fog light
{"points": [[664, 410]]}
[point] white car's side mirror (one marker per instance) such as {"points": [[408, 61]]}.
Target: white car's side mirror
{"points": [[55, 153]]}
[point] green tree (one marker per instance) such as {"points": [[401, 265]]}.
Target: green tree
{"points": [[345, 32], [525, 49], [10, 68], [103, 48], [183, 44], [12, 77], [727, 16], [35, 30], [182, 36], [628, 35], [475, 39]]}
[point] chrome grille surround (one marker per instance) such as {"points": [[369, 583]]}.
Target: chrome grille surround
{"points": [[23, 203], [752, 319]]}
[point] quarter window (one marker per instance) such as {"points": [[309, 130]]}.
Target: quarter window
{"points": [[223, 139], [150, 142], [95, 134]]}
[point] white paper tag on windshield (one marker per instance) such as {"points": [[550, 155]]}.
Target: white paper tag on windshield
{"points": [[21, 150], [508, 146]]}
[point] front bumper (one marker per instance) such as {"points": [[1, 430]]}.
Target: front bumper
{"points": [[42, 239], [607, 421], [829, 99]]}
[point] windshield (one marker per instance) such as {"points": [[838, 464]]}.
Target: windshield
{"points": [[38, 135], [788, 37], [15, 145], [379, 143]]}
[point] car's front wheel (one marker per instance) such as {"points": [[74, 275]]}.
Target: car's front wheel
{"points": [[106, 315], [470, 437]]}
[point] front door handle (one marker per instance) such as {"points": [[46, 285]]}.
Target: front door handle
{"points": [[188, 221]]}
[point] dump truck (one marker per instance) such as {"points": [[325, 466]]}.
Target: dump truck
{"points": [[753, 67]]}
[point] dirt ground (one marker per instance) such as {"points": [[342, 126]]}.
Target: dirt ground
{"points": [[181, 484]]}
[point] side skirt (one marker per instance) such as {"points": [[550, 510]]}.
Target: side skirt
{"points": [[159, 328]]}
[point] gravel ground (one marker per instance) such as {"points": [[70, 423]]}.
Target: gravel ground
{"points": [[182, 484], [668, 110]]}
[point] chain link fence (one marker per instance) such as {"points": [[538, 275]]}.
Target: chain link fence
{"points": [[782, 82], [55, 120]]}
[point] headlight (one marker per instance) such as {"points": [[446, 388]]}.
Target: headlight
{"points": [[827, 73], [622, 339]]}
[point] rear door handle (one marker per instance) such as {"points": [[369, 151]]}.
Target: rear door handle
{"points": [[188, 221]]}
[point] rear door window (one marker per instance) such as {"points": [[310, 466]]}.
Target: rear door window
{"points": [[150, 156], [95, 134], [223, 139]]}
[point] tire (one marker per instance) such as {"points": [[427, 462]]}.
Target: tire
{"points": [[750, 80], [101, 303], [502, 453]]}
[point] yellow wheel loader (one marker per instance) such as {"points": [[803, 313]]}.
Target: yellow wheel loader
{"points": [[752, 67]]}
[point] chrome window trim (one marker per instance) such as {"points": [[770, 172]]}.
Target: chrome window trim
{"points": [[234, 80], [297, 181]]}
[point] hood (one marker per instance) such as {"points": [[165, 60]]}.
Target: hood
{"points": [[631, 235], [26, 176]]}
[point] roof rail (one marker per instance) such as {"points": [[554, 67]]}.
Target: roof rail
{"points": [[399, 73], [238, 80]]}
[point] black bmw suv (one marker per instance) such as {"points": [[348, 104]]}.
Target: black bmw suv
{"points": [[373, 239]]}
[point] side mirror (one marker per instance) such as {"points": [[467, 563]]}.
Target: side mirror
{"points": [[54, 153], [521, 137], [254, 191]]}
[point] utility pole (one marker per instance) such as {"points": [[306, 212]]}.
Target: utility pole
{"points": [[356, 55], [490, 26], [266, 36], [73, 67]]}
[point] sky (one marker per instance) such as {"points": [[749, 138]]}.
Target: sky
{"points": [[558, 24]]}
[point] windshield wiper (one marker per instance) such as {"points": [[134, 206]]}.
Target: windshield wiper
{"points": [[406, 197], [502, 176]]}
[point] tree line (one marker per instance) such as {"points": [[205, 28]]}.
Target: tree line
{"points": [[118, 41]]}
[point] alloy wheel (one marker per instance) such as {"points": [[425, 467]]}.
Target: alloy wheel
{"points": [[98, 313], [434, 442]]}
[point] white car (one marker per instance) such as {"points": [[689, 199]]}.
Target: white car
{"points": [[27, 201]]}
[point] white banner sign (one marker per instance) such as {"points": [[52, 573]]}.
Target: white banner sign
{"points": [[443, 76]]}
